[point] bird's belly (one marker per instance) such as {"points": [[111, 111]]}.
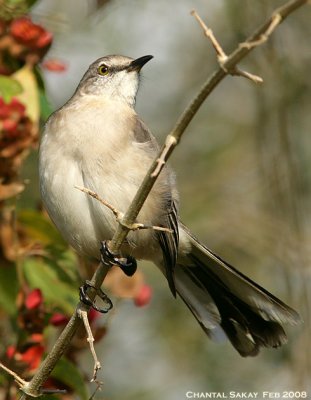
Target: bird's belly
{"points": [[71, 210], [83, 221]]}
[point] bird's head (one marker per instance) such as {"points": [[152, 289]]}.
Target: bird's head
{"points": [[115, 77]]}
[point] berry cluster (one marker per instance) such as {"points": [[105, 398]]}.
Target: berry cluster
{"points": [[34, 316], [27, 354], [13, 120], [22, 41], [16, 137]]}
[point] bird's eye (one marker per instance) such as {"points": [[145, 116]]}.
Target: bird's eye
{"points": [[103, 69]]}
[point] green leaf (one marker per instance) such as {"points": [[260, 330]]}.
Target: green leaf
{"points": [[9, 87], [66, 372], [57, 287], [8, 288], [40, 228], [45, 107], [31, 2]]}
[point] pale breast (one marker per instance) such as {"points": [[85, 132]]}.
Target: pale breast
{"points": [[99, 154]]}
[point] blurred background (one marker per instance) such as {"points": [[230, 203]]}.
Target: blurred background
{"points": [[243, 172]]}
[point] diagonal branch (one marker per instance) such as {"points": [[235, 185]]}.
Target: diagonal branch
{"points": [[33, 388], [175, 135]]}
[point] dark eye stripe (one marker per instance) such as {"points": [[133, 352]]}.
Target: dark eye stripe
{"points": [[112, 69]]}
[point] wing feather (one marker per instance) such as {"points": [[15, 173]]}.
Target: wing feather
{"points": [[169, 245]]}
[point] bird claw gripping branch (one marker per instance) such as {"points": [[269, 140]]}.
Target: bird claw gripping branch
{"points": [[127, 264], [86, 300]]}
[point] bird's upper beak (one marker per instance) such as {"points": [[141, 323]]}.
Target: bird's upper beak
{"points": [[136, 65]]}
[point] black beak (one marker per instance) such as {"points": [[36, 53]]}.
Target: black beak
{"points": [[136, 65]]}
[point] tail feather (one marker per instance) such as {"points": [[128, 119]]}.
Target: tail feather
{"points": [[223, 300]]}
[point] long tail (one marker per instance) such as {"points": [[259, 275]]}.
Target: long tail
{"points": [[224, 301]]}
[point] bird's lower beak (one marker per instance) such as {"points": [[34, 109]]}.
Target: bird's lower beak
{"points": [[136, 65]]}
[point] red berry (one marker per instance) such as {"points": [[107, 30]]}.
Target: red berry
{"points": [[17, 106], [4, 110], [14, 107], [23, 30], [44, 40], [58, 319], [10, 351], [144, 296], [9, 125], [32, 356], [93, 315], [29, 34], [36, 337], [54, 65], [34, 299]]}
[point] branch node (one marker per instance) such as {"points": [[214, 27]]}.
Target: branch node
{"points": [[222, 62], [118, 214], [222, 57], [170, 142], [276, 19]]}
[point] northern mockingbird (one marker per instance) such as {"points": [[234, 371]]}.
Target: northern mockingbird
{"points": [[96, 140]]}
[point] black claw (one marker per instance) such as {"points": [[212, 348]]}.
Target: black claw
{"points": [[107, 257], [86, 300], [84, 296], [127, 264]]}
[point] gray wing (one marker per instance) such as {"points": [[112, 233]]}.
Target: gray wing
{"points": [[168, 240], [169, 245], [143, 135]]}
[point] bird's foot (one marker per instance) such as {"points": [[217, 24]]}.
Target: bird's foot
{"points": [[84, 297], [127, 264]]}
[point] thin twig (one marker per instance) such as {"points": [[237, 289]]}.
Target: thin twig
{"points": [[209, 34], [275, 21], [118, 214], [135, 226], [248, 75], [138, 226], [221, 55], [90, 339], [34, 386], [98, 388], [18, 379]]}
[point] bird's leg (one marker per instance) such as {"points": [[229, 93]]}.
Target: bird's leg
{"points": [[84, 297], [128, 264]]}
